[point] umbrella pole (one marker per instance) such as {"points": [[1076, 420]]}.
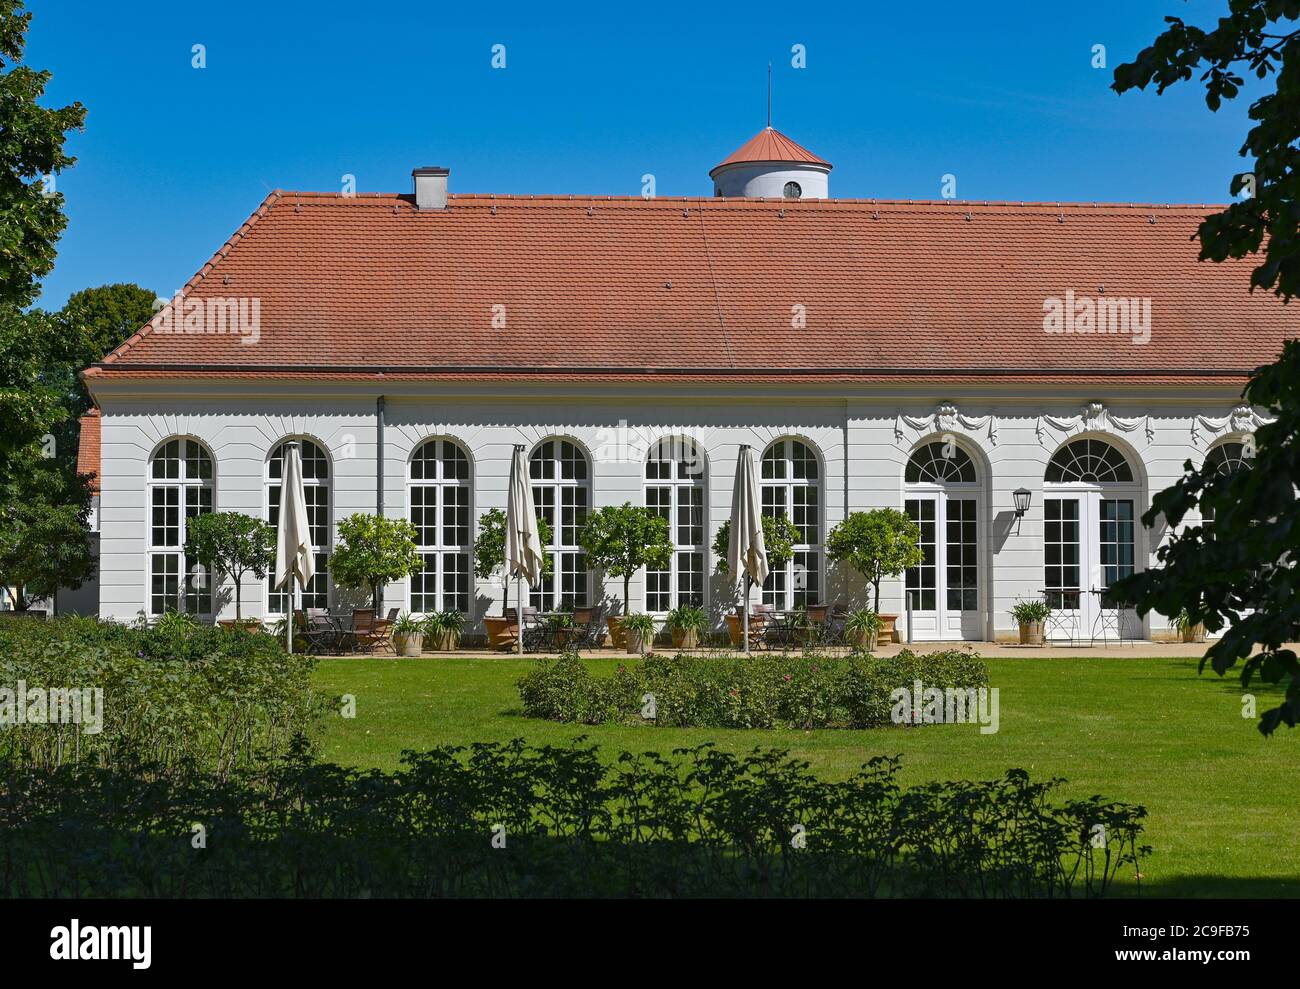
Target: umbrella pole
{"points": [[519, 612], [288, 635], [744, 603]]}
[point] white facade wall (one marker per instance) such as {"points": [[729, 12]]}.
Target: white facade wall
{"points": [[863, 442]]}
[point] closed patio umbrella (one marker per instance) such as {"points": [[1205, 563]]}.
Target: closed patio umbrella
{"points": [[523, 544], [747, 550], [295, 558]]}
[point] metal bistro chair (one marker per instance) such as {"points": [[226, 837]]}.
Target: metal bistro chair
{"points": [[368, 632], [591, 627], [534, 632], [320, 630]]}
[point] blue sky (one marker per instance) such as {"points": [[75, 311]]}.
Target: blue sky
{"points": [[295, 95]]}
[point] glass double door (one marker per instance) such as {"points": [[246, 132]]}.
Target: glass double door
{"points": [[1089, 542], [944, 589]]}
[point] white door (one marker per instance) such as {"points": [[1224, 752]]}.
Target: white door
{"points": [[1089, 542], [944, 589]]}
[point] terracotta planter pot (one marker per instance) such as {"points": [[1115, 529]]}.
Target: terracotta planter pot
{"points": [[617, 637], [887, 630], [686, 638], [500, 632], [1031, 633], [637, 642], [408, 645], [1195, 633], [861, 638], [735, 630], [446, 640], [240, 625]]}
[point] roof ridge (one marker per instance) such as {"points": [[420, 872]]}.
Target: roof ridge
{"points": [[262, 210]]}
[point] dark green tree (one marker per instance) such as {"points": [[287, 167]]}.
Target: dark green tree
{"points": [[31, 220], [1239, 575], [44, 537]]}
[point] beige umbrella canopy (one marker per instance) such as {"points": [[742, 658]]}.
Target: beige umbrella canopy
{"points": [[295, 558], [523, 543], [747, 550]]}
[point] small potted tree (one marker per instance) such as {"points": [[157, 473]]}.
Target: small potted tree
{"points": [[877, 544], [233, 545], [619, 541], [779, 537], [1030, 616], [685, 623], [373, 551], [408, 635], [490, 561], [640, 631], [862, 629], [1188, 630]]}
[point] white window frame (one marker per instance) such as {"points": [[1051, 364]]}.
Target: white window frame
{"points": [[188, 496], [787, 599], [557, 485], [678, 453], [440, 548]]}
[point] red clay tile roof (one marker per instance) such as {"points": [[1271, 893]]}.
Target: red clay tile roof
{"points": [[714, 287], [88, 447], [770, 145]]}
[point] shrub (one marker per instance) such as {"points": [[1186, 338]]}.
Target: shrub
{"points": [[177, 692], [702, 823], [808, 691]]}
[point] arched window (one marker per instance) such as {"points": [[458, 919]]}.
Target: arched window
{"points": [[1228, 458], [1224, 459], [561, 480], [180, 487], [439, 500], [316, 487], [1090, 533], [1094, 461], [674, 489], [943, 499], [938, 463], [791, 487]]}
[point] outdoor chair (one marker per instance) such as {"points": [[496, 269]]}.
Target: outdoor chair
{"points": [[590, 625], [369, 633], [319, 630]]}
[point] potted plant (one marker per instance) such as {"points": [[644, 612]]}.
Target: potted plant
{"points": [[862, 629], [232, 544], [621, 539], [408, 635], [880, 543], [1030, 615], [685, 623], [640, 631], [1188, 630], [374, 550], [490, 560]]}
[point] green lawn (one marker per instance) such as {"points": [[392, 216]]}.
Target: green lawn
{"points": [[1221, 798]]}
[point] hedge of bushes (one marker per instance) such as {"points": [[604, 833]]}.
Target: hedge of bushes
{"points": [[174, 693], [507, 820], [729, 691]]}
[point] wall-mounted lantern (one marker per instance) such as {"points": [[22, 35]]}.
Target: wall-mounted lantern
{"points": [[1021, 496]]}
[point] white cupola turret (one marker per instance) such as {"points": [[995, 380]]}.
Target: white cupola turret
{"points": [[770, 165]]}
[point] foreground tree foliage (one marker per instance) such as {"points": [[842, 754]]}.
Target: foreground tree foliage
{"points": [[509, 820], [31, 220], [1240, 575], [44, 537]]}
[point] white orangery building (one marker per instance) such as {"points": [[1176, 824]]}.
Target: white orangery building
{"points": [[938, 357]]}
